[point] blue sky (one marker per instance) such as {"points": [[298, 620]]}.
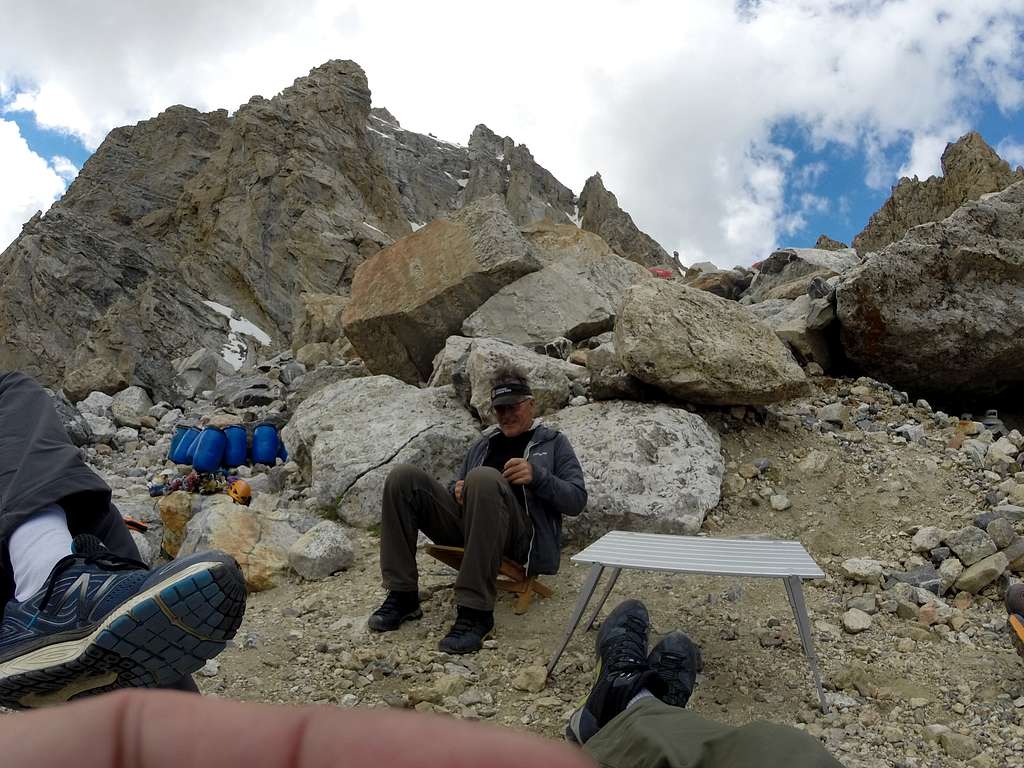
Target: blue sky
{"points": [[725, 130]]}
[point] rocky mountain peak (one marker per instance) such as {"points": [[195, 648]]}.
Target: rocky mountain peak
{"points": [[497, 165], [600, 213], [970, 169]]}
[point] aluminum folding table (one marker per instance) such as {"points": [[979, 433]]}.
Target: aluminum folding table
{"points": [[786, 560]]}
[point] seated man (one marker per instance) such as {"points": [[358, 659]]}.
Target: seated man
{"points": [[515, 484], [81, 615], [635, 716]]}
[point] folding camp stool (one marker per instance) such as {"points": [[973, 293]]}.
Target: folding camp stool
{"points": [[511, 576], [786, 560]]}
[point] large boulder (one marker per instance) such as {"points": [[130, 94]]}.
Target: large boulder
{"points": [[940, 310], [787, 273], [470, 368], [347, 436], [317, 319], [409, 298], [130, 406], [789, 320], [74, 421], [574, 297], [727, 283], [599, 212], [698, 347], [259, 542], [198, 372], [970, 169], [654, 468]]}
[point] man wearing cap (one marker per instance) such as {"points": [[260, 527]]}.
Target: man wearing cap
{"points": [[515, 484]]}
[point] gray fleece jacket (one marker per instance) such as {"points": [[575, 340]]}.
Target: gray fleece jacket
{"points": [[557, 489]]}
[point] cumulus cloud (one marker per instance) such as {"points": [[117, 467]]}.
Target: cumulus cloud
{"points": [[1012, 151], [674, 103], [64, 168], [38, 183]]}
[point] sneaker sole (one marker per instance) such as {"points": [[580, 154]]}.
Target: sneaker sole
{"points": [[155, 638]]}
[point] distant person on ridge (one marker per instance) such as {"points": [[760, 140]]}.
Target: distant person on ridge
{"points": [[515, 484]]}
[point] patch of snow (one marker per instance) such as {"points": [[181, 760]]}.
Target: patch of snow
{"points": [[379, 133], [367, 224], [575, 216], [500, 156], [508, 167], [235, 348], [416, 225], [462, 182]]}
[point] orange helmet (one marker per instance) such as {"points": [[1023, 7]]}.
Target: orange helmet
{"points": [[240, 492]]}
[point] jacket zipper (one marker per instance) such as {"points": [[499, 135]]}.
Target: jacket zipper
{"points": [[526, 505]]}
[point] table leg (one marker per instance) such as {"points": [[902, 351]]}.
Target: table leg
{"points": [[586, 591], [795, 590], [612, 578]]}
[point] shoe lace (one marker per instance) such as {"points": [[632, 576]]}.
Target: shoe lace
{"points": [[104, 559], [671, 664], [627, 650]]}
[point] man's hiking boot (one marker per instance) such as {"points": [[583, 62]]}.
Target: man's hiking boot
{"points": [[103, 621], [677, 661], [1015, 619], [398, 607], [469, 631], [622, 671]]}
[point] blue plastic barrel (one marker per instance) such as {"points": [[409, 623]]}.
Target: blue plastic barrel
{"points": [[179, 434], [187, 446], [237, 447], [282, 452], [264, 444], [209, 450]]}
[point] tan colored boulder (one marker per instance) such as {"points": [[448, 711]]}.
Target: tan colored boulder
{"points": [[317, 319], [259, 543], [314, 353], [698, 347], [175, 512], [409, 298]]}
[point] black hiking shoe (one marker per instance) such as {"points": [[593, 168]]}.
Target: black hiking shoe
{"points": [[622, 673], [677, 661], [397, 607], [469, 631]]}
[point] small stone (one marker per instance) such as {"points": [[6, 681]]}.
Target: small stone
{"points": [[210, 669], [862, 570], [1001, 531], [905, 645], [836, 413], [970, 544], [958, 746], [866, 603], [813, 369], [927, 538], [981, 574], [949, 571], [922, 577], [856, 621], [780, 502], [531, 679], [748, 471]]}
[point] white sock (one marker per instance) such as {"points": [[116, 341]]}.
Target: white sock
{"points": [[644, 694], [35, 547]]}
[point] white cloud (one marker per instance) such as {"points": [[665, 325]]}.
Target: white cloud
{"points": [[673, 103], [37, 185], [64, 168], [1012, 151]]}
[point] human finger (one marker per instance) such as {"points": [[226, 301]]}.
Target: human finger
{"points": [[162, 729]]}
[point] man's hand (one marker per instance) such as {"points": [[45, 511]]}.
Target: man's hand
{"points": [[459, 485], [518, 472]]}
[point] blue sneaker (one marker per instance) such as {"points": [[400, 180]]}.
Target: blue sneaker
{"points": [[104, 621]]}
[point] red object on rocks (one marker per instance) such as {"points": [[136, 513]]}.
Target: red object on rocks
{"points": [[664, 274]]}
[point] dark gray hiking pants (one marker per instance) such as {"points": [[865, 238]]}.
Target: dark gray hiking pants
{"points": [[489, 524]]}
